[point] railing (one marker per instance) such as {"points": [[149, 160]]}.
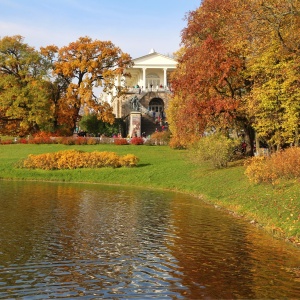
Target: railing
{"points": [[144, 110], [147, 90]]}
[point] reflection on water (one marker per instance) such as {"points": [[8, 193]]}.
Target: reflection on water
{"points": [[96, 242]]}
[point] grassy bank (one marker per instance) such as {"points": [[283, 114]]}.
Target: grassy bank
{"points": [[276, 209]]}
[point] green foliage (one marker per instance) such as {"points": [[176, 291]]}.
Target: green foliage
{"points": [[33, 98], [91, 124], [24, 97], [216, 148]]}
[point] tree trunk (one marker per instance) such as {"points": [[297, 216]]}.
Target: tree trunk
{"points": [[250, 138], [256, 144], [297, 137]]}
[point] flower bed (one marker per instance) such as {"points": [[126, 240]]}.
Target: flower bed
{"points": [[73, 159]]}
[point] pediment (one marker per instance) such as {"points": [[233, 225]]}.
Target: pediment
{"points": [[153, 60]]}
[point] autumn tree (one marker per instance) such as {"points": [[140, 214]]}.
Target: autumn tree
{"points": [[210, 79], [239, 68], [274, 67], [83, 66], [24, 105]]}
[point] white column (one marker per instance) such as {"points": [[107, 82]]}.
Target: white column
{"points": [[165, 77], [144, 78], [116, 83], [122, 81]]}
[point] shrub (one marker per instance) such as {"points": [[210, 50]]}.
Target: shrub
{"points": [[176, 143], [71, 140], [45, 161], [109, 159], [91, 141], [72, 159], [215, 148], [256, 168], [119, 141], [129, 160], [280, 165], [78, 140], [137, 141], [149, 142], [42, 137], [6, 142], [161, 137], [40, 140], [23, 141]]}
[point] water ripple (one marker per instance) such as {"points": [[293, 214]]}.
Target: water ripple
{"points": [[91, 242]]}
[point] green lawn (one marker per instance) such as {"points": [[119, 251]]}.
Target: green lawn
{"points": [[276, 209]]}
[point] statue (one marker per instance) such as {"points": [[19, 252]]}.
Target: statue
{"points": [[134, 103]]}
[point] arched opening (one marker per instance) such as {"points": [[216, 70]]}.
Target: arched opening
{"points": [[156, 107]]}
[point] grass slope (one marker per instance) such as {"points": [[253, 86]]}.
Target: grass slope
{"points": [[276, 209]]}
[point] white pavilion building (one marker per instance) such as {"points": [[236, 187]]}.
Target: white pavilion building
{"points": [[147, 92]]}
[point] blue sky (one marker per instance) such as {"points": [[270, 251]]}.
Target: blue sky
{"points": [[135, 26]]}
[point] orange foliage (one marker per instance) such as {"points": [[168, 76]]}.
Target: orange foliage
{"points": [[239, 69], [84, 65], [283, 164], [209, 80], [120, 141]]}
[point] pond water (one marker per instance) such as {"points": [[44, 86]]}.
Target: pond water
{"points": [[61, 240]]}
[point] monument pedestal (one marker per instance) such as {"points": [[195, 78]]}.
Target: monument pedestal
{"points": [[135, 124]]}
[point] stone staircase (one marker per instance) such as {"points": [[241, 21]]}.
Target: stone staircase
{"points": [[148, 125], [147, 122]]}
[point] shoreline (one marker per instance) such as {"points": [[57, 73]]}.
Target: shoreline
{"points": [[273, 209], [234, 214]]}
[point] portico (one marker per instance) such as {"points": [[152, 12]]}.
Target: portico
{"points": [[150, 73]]}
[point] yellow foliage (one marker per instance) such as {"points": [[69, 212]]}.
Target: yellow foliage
{"points": [[129, 160], [73, 159]]}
